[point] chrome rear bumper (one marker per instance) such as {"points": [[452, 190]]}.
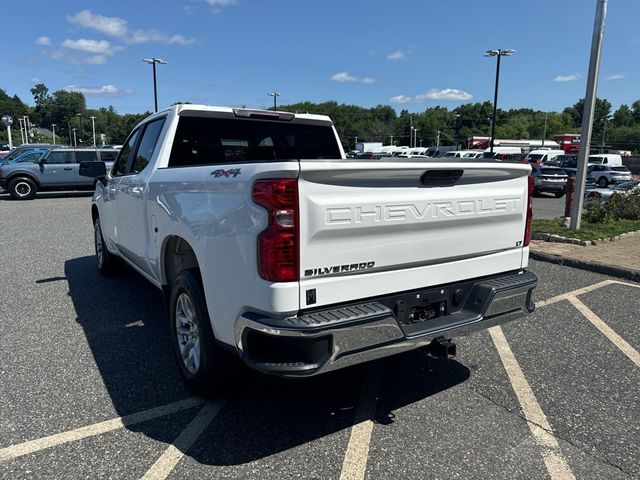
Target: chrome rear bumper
{"points": [[323, 340]]}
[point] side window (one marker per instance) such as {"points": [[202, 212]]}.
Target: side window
{"points": [[108, 155], [86, 156], [147, 145], [120, 167], [59, 157]]}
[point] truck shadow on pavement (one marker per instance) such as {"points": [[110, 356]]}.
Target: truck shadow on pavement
{"points": [[50, 195], [126, 328]]}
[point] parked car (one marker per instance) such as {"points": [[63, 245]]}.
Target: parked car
{"points": [[604, 194], [440, 151], [606, 174], [542, 155], [29, 156], [463, 154], [549, 179], [57, 169], [605, 159], [27, 148]]}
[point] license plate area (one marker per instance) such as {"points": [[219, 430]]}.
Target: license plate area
{"points": [[423, 307]]}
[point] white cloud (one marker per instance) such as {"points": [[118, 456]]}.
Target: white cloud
{"points": [[112, 26], [633, 41], [221, 3], [45, 41], [101, 47], [35, 80], [397, 55], [118, 27], [567, 78], [156, 36], [103, 90], [616, 76], [345, 77], [448, 94], [75, 58], [401, 99]]}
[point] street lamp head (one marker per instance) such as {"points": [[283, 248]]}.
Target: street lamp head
{"points": [[154, 60], [492, 53], [274, 94], [507, 52], [503, 53]]}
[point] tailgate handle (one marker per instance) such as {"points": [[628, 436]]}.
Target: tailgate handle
{"points": [[441, 178]]}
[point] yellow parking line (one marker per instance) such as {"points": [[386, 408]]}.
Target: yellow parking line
{"points": [[354, 465], [183, 442], [32, 446], [606, 330], [536, 419]]}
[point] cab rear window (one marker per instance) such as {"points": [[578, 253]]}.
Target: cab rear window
{"points": [[208, 141]]}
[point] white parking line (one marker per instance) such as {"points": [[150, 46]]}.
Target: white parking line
{"points": [[32, 446], [581, 291], [606, 330], [536, 419], [183, 442], [354, 465]]}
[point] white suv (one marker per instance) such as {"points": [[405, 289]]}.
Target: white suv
{"points": [[607, 174]]}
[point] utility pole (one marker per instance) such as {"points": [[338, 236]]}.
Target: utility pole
{"points": [[544, 135], [75, 141], [589, 109], [604, 131], [438, 138], [390, 139], [7, 120], [93, 128], [411, 130], [25, 121], [355, 147], [415, 137], [153, 61], [81, 132], [53, 130], [274, 95], [21, 132]]}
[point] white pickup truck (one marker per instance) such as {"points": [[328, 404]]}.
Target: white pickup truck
{"points": [[271, 246]]}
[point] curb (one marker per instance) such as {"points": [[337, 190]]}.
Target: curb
{"points": [[614, 271]]}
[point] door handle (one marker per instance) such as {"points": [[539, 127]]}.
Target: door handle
{"points": [[68, 168], [136, 190]]}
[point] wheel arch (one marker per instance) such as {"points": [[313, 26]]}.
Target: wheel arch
{"points": [[177, 255], [29, 176]]}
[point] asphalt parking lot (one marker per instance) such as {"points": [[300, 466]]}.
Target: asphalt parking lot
{"points": [[89, 389], [546, 205]]}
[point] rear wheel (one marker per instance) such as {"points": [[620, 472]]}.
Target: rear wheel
{"points": [[205, 367], [603, 182], [22, 188]]}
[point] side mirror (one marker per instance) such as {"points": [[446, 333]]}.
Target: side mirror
{"points": [[96, 170]]}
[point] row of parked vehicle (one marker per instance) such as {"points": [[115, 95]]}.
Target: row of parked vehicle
{"points": [[31, 168]]}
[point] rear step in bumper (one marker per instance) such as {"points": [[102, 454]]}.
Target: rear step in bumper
{"points": [[320, 341]]}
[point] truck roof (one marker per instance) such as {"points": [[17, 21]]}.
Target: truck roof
{"points": [[213, 109]]}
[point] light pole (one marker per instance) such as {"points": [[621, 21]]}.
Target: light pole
{"points": [[355, 147], [75, 141], [93, 128], [53, 130], [496, 53], [81, 135], [544, 135], [587, 117], [25, 121], [274, 95], [438, 138], [604, 131], [7, 120], [415, 137], [153, 61], [21, 132]]}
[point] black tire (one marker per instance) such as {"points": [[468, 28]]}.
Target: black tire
{"points": [[603, 182], [210, 369], [107, 263], [22, 188], [559, 194]]}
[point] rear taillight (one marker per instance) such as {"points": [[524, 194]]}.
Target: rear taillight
{"points": [[527, 228], [278, 243]]}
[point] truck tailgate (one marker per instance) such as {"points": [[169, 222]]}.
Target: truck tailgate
{"points": [[388, 223]]}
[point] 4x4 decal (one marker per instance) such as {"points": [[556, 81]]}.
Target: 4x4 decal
{"points": [[234, 172]]}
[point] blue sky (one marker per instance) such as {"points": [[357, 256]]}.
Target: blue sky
{"points": [[411, 54]]}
